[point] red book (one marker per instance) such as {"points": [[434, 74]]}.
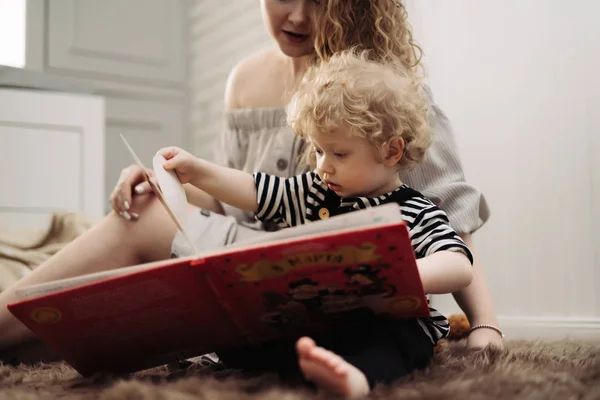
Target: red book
{"points": [[285, 284]]}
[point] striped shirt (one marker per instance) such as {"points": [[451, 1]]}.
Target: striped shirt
{"points": [[297, 200]]}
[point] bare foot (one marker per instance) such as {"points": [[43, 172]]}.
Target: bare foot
{"points": [[330, 372]]}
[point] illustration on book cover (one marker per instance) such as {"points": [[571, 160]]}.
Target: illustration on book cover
{"points": [[322, 285]]}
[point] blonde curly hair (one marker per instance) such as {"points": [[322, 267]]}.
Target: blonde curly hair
{"points": [[380, 26], [367, 98]]}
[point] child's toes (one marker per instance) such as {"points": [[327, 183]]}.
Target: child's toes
{"points": [[341, 369], [334, 361], [304, 346]]}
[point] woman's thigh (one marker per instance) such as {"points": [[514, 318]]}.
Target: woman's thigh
{"points": [[209, 230]]}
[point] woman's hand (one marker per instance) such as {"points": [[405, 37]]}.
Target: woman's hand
{"points": [[185, 165], [131, 182], [483, 337]]}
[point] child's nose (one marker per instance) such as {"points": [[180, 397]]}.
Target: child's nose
{"points": [[326, 167]]}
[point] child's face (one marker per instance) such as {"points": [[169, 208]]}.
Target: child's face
{"points": [[350, 166]]}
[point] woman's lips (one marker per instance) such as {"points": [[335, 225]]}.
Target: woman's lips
{"points": [[295, 38]]}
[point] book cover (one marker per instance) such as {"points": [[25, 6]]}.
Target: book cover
{"points": [[236, 297]]}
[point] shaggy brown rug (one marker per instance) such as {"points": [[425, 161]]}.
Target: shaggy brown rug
{"points": [[566, 369]]}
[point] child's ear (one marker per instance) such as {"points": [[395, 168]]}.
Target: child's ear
{"points": [[393, 150]]}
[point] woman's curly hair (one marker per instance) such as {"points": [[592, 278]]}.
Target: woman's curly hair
{"points": [[367, 98], [380, 26]]}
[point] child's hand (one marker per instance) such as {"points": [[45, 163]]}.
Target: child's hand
{"points": [[185, 165]]}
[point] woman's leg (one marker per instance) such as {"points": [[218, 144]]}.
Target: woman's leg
{"points": [[113, 243]]}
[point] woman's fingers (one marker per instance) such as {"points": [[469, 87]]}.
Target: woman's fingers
{"points": [[142, 188], [116, 199], [131, 178]]}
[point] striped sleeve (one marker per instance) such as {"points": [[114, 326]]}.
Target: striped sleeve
{"points": [[282, 200], [436, 326], [431, 232]]}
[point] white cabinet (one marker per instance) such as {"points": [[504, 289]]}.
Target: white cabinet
{"points": [[137, 40], [51, 155]]}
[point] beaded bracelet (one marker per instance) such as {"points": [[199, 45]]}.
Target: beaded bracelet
{"points": [[492, 327]]}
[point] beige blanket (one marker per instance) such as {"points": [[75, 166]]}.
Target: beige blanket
{"points": [[21, 250]]}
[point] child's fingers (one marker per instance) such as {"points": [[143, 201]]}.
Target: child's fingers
{"points": [[174, 162], [168, 152]]}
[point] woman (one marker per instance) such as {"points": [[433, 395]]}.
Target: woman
{"points": [[256, 139]]}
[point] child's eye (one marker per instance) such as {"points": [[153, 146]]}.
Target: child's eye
{"points": [[340, 155], [319, 151]]}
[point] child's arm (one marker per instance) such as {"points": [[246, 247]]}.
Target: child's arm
{"points": [[228, 185], [201, 199], [443, 258], [231, 186], [445, 272]]}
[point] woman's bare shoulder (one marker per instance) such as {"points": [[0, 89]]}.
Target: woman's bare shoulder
{"points": [[248, 76]]}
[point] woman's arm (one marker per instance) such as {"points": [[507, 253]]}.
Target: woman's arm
{"points": [[441, 178], [476, 302]]}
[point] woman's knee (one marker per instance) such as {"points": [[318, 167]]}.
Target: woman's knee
{"points": [[153, 231]]}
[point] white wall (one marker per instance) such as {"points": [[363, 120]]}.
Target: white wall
{"points": [[518, 81], [222, 32]]}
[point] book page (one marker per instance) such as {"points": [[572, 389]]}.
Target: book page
{"points": [[381, 215]]}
